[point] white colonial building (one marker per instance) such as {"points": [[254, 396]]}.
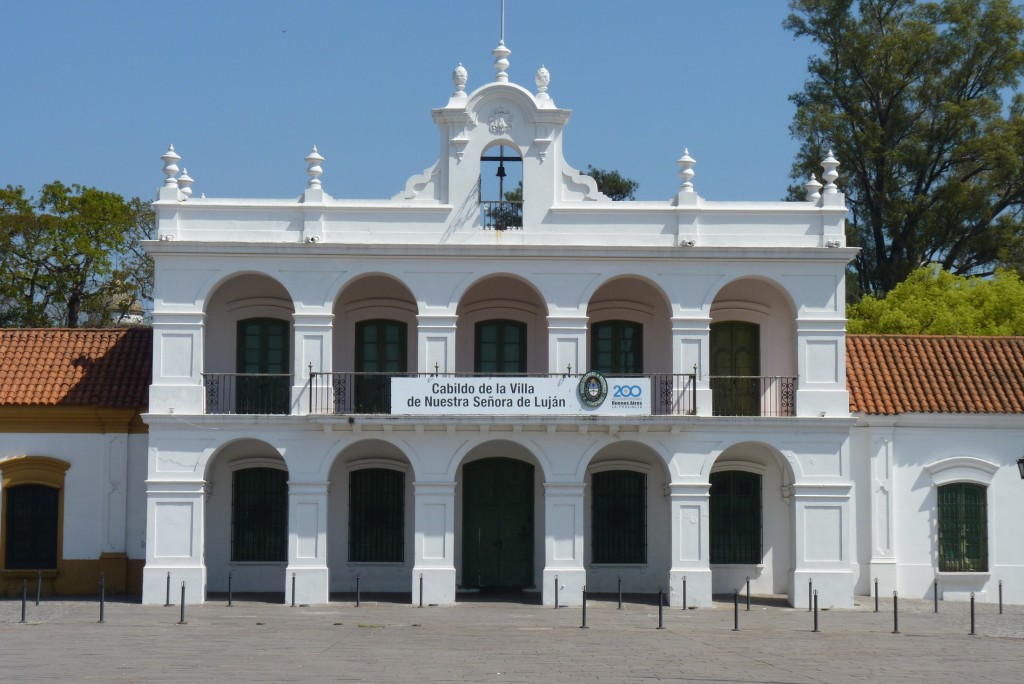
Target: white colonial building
{"points": [[455, 391]]}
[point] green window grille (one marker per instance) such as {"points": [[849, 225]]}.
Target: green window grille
{"points": [[259, 515], [735, 517], [263, 364], [619, 517], [376, 521], [381, 351], [31, 519], [617, 347], [963, 528], [500, 347]]}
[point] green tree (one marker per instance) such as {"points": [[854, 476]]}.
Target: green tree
{"points": [[936, 302], [613, 184], [917, 100], [73, 254]]}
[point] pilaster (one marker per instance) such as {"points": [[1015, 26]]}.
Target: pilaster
{"points": [[433, 574], [563, 543], [689, 505]]}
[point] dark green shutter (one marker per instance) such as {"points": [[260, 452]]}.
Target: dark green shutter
{"points": [[500, 347], [376, 521], [617, 347], [963, 528], [263, 349], [735, 510], [381, 352], [32, 527], [259, 515], [619, 517]]}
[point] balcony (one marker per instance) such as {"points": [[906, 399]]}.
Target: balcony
{"points": [[745, 395], [256, 393], [501, 215], [371, 393]]}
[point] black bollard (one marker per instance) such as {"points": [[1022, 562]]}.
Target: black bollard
{"points": [[935, 595], [421, 590], [584, 624], [815, 610], [24, 598], [895, 613], [748, 594], [684, 592], [229, 590], [661, 603], [168, 601], [810, 588], [1000, 597], [357, 591], [620, 592], [39, 585], [876, 594], [972, 613], [736, 610], [103, 591], [181, 621], [556, 592]]}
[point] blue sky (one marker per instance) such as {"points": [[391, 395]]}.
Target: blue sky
{"points": [[95, 91]]}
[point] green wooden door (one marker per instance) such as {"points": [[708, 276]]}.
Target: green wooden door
{"points": [[263, 364], [380, 353], [735, 368], [497, 524]]}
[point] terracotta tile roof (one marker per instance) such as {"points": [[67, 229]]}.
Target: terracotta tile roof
{"points": [[892, 374], [106, 368]]}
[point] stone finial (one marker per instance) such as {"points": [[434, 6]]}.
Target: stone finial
{"points": [[501, 54], [313, 160], [171, 159], [185, 183], [829, 163], [542, 79], [686, 163], [459, 77], [813, 188]]}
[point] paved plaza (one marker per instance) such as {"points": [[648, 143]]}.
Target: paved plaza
{"points": [[498, 641]]}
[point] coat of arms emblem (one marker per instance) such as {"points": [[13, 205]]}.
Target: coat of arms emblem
{"points": [[500, 122]]}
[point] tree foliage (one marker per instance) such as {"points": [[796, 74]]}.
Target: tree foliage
{"points": [[73, 255], [915, 99], [613, 184], [936, 302]]}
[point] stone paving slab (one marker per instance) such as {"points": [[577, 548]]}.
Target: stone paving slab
{"points": [[505, 642]]}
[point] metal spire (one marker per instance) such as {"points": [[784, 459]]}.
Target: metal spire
{"points": [[503, 21]]}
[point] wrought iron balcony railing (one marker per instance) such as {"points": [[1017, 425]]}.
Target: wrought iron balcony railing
{"points": [[341, 393], [501, 215], [266, 393], [751, 395]]}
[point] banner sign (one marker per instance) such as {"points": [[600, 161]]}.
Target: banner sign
{"points": [[592, 394]]}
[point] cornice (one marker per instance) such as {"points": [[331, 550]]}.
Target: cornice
{"points": [[70, 419]]}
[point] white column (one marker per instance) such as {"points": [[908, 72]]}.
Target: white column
{"points": [[435, 543], [567, 343], [690, 351], [821, 544], [174, 541], [177, 363], [563, 543], [312, 344], [307, 543], [436, 342], [689, 507]]}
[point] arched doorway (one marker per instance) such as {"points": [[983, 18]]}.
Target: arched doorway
{"points": [[497, 524]]}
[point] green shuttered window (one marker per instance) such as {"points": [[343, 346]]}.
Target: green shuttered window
{"points": [[619, 517], [735, 517], [963, 528], [376, 521], [31, 520], [259, 515]]}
